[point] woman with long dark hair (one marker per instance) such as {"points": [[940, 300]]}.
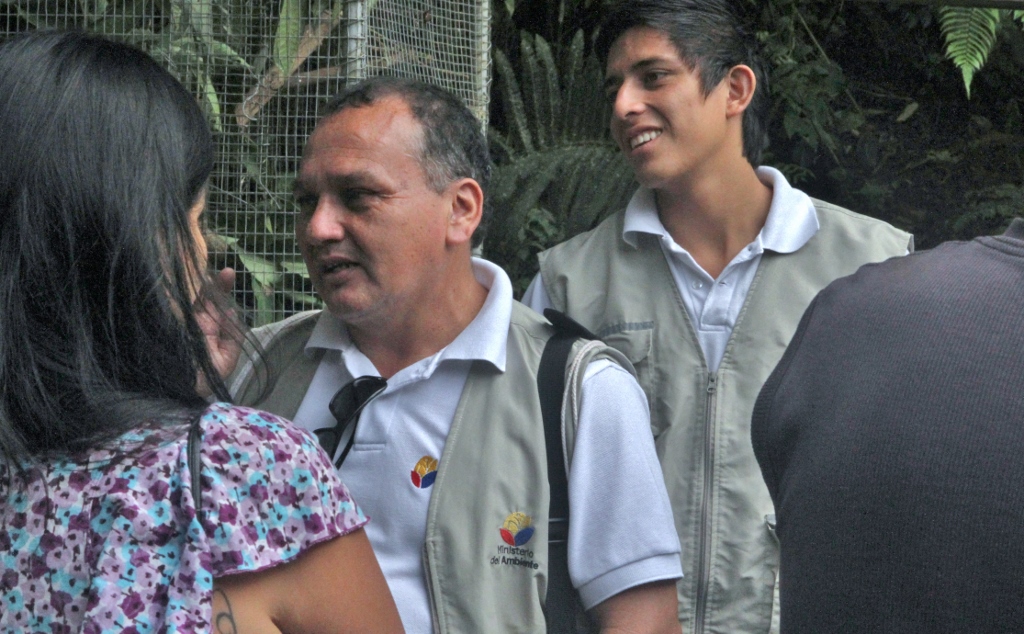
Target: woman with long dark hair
{"points": [[110, 343]]}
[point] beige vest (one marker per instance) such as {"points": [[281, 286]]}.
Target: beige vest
{"points": [[493, 466], [701, 421]]}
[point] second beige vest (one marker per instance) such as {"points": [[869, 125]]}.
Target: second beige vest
{"points": [[700, 420]]}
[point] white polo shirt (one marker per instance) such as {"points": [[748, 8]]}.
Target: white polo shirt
{"points": [[614, 481], [713, 305]]}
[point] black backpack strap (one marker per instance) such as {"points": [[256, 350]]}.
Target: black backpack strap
{"points": [[566, 325], [195, 444], [563, 610]]}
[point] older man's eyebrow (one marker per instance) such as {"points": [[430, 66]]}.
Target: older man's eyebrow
{"points": [[360, 178]]}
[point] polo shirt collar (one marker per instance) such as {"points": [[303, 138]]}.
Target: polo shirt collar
{"points": [[484, 339], [791, 222]]}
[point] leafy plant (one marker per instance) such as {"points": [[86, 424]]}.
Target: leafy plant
{"points": [[555, 20], [812, 102], [557, 173], [990, 210], [971, 34], [272, 282], [251, 64], [867, 112]]}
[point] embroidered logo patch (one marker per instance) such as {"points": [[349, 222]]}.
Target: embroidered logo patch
{"points": [[424, 473], [517, 529]]}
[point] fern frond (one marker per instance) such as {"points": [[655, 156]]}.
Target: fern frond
{"points": [[536, 88], [550, 117], [599, 111], [557, 173], [553, 100], [580, 183], [588, 110], [516, 188], [499, 145], [575, 86], [970, 36], [611, 184], [545, 197], [512, 100]]}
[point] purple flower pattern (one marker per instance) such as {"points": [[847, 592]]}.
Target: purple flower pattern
{"points": [[111, 542]]}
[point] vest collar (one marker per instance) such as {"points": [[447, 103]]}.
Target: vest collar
{"points": [[791, 222], [484, 339]]}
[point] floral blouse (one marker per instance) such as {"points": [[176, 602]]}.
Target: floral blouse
{"points": [[111, 542]]}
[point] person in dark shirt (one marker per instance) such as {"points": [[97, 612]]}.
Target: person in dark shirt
{"points": [[891, 438]]}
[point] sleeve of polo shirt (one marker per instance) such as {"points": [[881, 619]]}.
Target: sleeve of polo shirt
{"points": [[621, 531]]}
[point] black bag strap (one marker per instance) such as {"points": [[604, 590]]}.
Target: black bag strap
{"points": [[563, 610], [195, 444]]}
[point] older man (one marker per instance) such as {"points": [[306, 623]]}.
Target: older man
{"points": [[449, 457]]}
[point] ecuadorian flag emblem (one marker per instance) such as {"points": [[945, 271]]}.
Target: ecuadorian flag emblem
{"points": [[425, 472], [517, 529]]}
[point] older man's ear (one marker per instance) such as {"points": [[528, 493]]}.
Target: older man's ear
{"points": [[466, 212]]}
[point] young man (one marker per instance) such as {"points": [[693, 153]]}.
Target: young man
{"points": [[449, 459], [702, 280]]}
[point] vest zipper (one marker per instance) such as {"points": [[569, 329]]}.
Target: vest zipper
{"points": [[704, 555]]}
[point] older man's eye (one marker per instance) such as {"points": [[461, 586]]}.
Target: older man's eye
{"points": [[357, 199], [306, 203]]}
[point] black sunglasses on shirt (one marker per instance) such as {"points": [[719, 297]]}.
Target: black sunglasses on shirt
{"points": [[346, 406]]}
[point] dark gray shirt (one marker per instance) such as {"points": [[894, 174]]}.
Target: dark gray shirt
{"points": [[891, 438]]}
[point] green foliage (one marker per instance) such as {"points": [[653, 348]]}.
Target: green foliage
{"points": [[189, 35], [970, 36], [557, 173], [241, 58], [810, 93], [271, 281], [990, 210], [557, 21], [867, 112], [288, 35]]}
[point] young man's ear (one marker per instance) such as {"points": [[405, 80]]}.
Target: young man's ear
{"points": [[742, 83], [467, 211]]}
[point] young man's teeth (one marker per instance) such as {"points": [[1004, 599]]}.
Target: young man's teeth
{"points": [[643, 138]]}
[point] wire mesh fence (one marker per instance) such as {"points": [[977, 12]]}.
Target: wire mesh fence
{"points": [[262, 70], [444, 42]]}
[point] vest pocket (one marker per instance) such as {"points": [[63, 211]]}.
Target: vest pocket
{"points": [[635, 342]]}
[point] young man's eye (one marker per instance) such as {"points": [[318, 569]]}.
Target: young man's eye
{"points": [[611, 89], [654, 76]]}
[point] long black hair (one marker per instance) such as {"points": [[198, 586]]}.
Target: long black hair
{"points": [[104, 154]]}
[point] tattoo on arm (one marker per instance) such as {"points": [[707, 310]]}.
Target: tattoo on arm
{"points": [[224, 620]]}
